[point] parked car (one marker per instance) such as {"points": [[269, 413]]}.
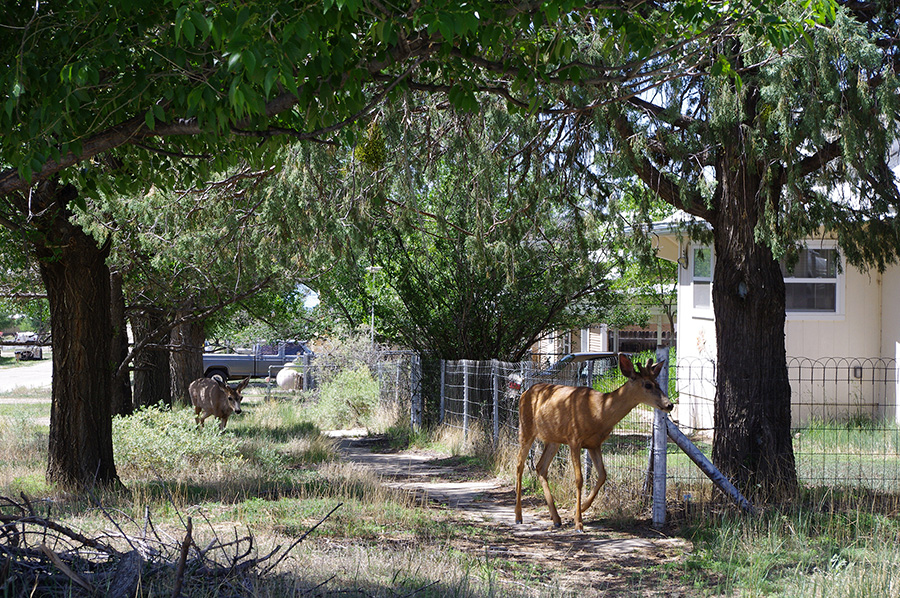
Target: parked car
{"points": [[574, 369], [255, 362], [28, 346]]}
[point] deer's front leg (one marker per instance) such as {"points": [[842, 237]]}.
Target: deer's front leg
{"points": [[575, 457], [597, 458]]}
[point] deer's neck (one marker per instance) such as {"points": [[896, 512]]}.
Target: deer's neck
{"points": [[611, 407]]}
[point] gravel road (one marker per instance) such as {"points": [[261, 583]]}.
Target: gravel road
{"points": [[36, 375]]}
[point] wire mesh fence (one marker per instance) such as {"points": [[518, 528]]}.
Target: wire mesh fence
{"points": [[844, 413], [398, 373], [844, 418]]}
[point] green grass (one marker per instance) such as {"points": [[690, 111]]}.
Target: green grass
{"points": [[272, 474], [816, 548], [9, 361], [25, 410]]}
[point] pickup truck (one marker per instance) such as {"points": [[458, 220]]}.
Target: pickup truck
{"points": [[254, 363], [29, 348]]}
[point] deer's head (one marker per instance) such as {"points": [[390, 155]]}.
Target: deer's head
{"points": [[232, 396], [642, 384]]}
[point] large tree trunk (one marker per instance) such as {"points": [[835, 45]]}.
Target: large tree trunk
{"points": [[752, 444], [186, 359], [151, 363], [77, 280], [121, 385]]}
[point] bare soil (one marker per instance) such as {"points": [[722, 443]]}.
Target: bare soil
{"points": [[604, 560]]}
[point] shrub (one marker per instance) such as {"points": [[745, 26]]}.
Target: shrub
{"points": [[349, 400], [157, 441]]}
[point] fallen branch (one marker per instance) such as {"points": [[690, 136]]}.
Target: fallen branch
{"points": [[34, 550]]}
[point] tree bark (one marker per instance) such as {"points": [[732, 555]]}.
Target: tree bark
{"points": [[151, 364], [186, 358], [73, 268], [752, 445], [121, 385]]}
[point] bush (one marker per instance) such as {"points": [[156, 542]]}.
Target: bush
{"points": [[349, 400], [159, 442]]}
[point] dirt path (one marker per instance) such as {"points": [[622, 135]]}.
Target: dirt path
{"points": [[602, 560]]}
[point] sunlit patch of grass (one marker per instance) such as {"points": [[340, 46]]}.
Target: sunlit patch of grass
{"points": [[817, 548], [25, 410], [23, 455]]}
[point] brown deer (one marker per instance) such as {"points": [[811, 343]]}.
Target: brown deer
{"points": [[213, 396], [581, 418]]}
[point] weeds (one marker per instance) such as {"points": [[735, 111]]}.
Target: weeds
{"points": [[350, 400], [821, 547]]}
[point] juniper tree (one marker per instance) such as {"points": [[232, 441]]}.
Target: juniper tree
{"points": [[792, 140], [482, 242]]}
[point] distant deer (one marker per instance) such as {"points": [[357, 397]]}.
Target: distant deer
{"points": [[213, 396], [581, 418]]}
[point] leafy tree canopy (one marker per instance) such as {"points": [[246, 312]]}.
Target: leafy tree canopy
{"points": [[471, 233], [126, 89]]}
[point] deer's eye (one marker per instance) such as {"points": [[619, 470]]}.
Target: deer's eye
{"points": [[648, 386]]}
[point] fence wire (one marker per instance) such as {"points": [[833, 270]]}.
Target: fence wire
{"points": [[844, 414], [844, 419], [399, 376]]}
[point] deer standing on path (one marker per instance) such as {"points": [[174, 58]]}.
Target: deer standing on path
{"points": [[581, 418]]}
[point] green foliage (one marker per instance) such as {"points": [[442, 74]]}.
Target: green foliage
{"points": [[347, 401], [157, 442], [371, 150], [477, 254], [188, 76]]}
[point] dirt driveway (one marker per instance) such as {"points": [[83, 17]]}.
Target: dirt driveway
{"points": [[601, 561]]}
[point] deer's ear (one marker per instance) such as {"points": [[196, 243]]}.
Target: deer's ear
{"points": [[243, 384], [657, 369], [626, 366]]}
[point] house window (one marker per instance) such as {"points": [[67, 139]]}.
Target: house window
{"points": [[702, 270], [566, 342], [811, 285]]}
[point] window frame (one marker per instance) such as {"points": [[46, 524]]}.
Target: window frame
{"points": [[838, 280], [701, 312]]}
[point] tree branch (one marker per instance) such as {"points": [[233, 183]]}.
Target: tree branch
{"points": [[656, 180]]}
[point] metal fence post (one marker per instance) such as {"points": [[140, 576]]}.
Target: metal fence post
{"points": [[465, 399], [495, 371], [443, 390], [660, 438], [306, 360], [415, 373]]}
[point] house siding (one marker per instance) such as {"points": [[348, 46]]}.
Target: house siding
{"points": [[865, 330]]}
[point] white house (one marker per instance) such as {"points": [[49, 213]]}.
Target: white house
{"points": [[843, 324]]}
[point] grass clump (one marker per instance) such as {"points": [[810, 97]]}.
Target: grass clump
{"points": [[23, 455], [816, 549]]}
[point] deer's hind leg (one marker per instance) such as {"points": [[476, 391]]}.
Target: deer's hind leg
{"points": [[543, 467], [597, 458]]}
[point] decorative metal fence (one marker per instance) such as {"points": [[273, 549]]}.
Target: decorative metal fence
{"points": [[844, 419]]}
